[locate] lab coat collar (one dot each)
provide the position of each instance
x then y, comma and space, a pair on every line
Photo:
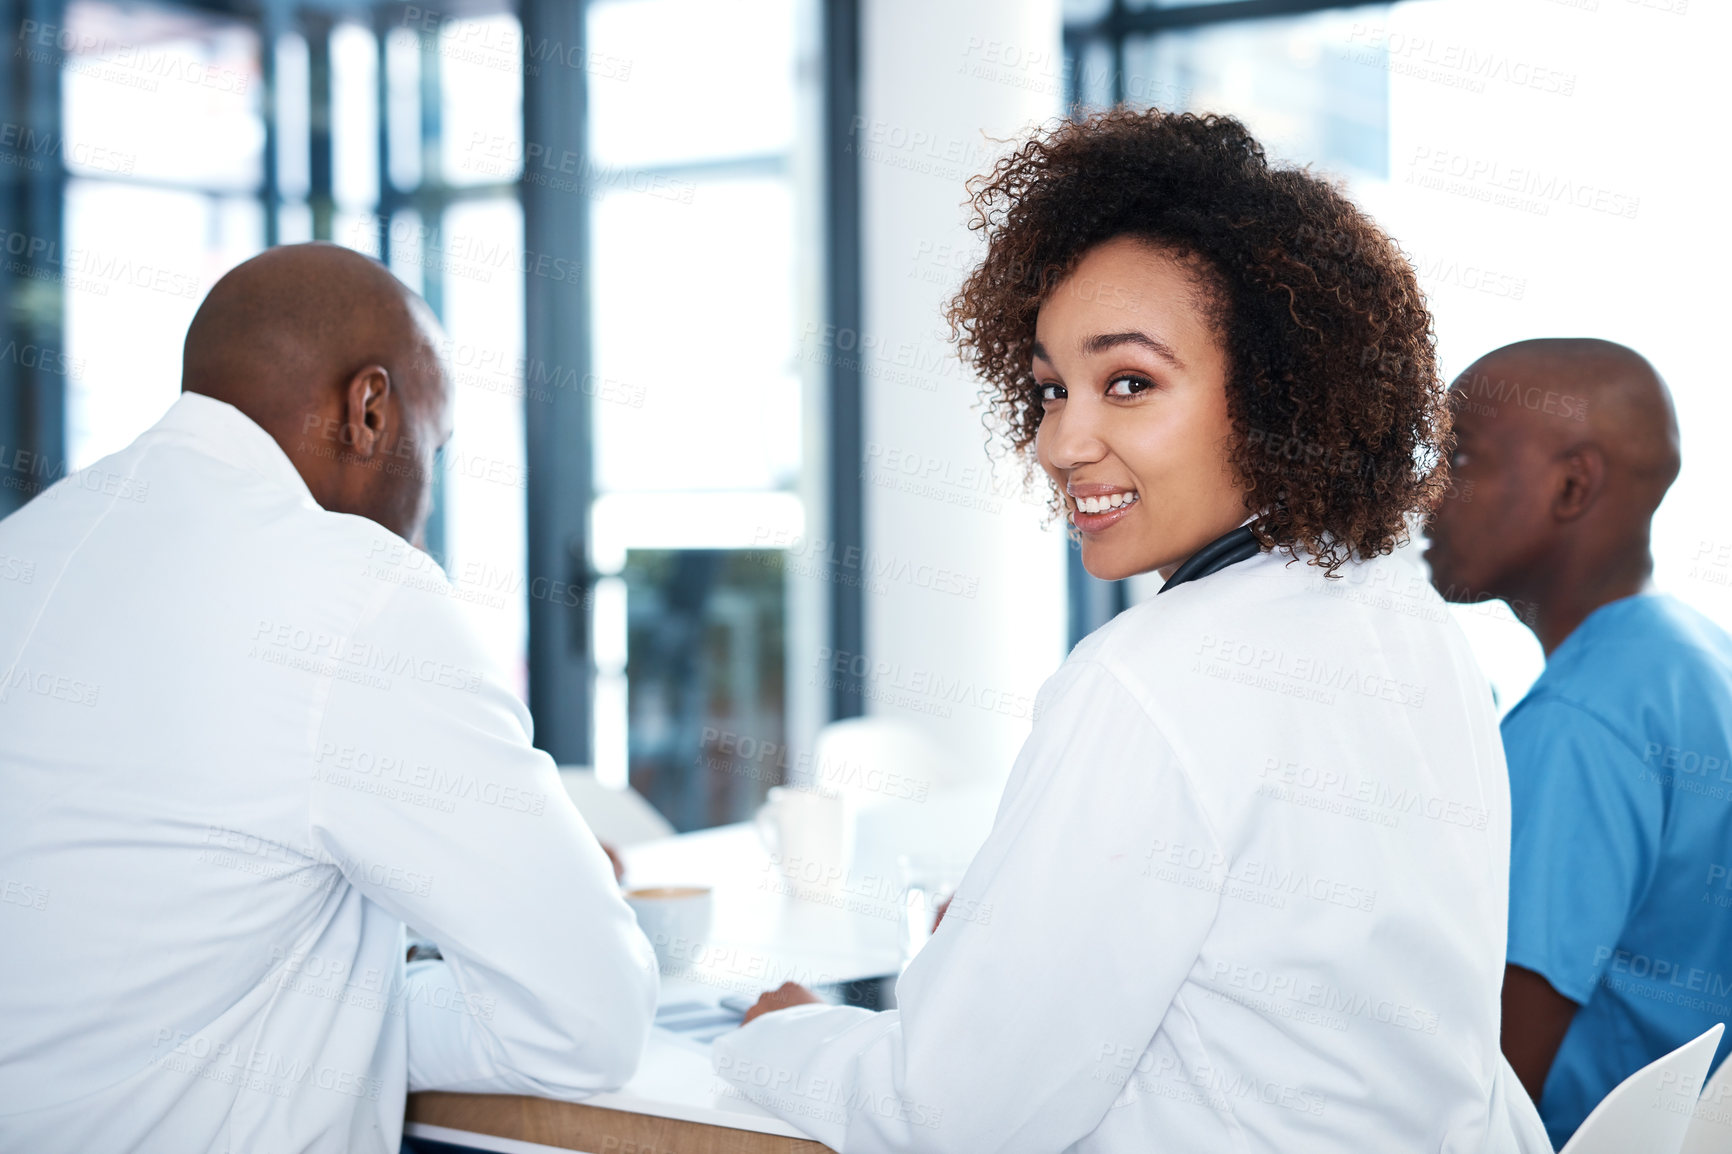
218, 429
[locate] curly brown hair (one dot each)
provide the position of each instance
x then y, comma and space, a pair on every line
1340, 417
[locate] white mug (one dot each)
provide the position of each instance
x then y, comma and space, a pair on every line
675, 919
810, 837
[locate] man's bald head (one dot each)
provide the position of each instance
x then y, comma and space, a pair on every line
1621, 405
329, 353
1564, 449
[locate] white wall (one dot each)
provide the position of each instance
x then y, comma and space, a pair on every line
966, 606
1560, 169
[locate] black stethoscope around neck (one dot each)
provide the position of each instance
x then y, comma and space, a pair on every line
1228, 549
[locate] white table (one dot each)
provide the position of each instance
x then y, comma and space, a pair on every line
768, 929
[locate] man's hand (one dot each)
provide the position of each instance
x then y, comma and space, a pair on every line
785, 995
614, 860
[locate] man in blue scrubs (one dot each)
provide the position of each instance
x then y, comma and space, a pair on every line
1620, 756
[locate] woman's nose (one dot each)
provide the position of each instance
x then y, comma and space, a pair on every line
1072, 436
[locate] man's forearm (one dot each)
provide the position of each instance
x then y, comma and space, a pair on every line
1535, 1019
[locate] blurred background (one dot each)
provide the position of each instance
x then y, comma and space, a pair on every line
717, 479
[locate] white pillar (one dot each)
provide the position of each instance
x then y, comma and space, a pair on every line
966, 602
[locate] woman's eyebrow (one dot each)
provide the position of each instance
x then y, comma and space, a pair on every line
1101, 342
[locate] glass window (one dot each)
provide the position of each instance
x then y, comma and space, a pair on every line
359, 229
162, 123
294, 223
697, 393
723, 87
705, 681
694, 339
1081, 11
408, 249
1173, 3
1300, 84
354, 118
403, 106
481, 107
486, 476
1093, 82
130, 293
294, 178
156, 94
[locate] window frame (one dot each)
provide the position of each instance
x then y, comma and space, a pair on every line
562, 669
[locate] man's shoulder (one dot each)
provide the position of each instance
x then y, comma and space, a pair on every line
380, 553
402, 594
1642, 676
281, 552
1633, 652
277, 526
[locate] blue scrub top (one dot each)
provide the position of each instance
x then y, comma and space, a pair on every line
1620, 765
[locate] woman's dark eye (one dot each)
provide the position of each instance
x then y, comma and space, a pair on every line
1128, 386
1051, 393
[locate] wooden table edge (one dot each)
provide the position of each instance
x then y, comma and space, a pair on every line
592, 1129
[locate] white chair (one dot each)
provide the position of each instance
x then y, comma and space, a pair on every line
619, 817
906, 793
1649, 1112
1711, 1125
854, 757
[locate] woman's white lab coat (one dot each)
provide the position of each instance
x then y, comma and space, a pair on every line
1245, 891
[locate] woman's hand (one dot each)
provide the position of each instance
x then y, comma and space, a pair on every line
614, 860
943, 908
785, 995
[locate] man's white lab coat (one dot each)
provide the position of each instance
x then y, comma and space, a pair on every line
243, 741
1245, 891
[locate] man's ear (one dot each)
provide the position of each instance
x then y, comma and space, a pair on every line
1582, 476
364, 415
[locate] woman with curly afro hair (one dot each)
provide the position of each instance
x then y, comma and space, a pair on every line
1247, 886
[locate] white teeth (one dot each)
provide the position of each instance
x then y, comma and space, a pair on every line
1102, 504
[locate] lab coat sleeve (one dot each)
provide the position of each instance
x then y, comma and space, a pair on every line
1050, 974
1585, 817
429, 797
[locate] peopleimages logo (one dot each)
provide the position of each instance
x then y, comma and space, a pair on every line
1338, 789
1663, 971
131, 64
321, 652
398, 777
915, 688
1315, 676
47, 683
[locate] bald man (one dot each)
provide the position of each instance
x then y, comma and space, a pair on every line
1620, 756
245, 738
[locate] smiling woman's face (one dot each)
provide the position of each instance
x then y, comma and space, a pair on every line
1134, 428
